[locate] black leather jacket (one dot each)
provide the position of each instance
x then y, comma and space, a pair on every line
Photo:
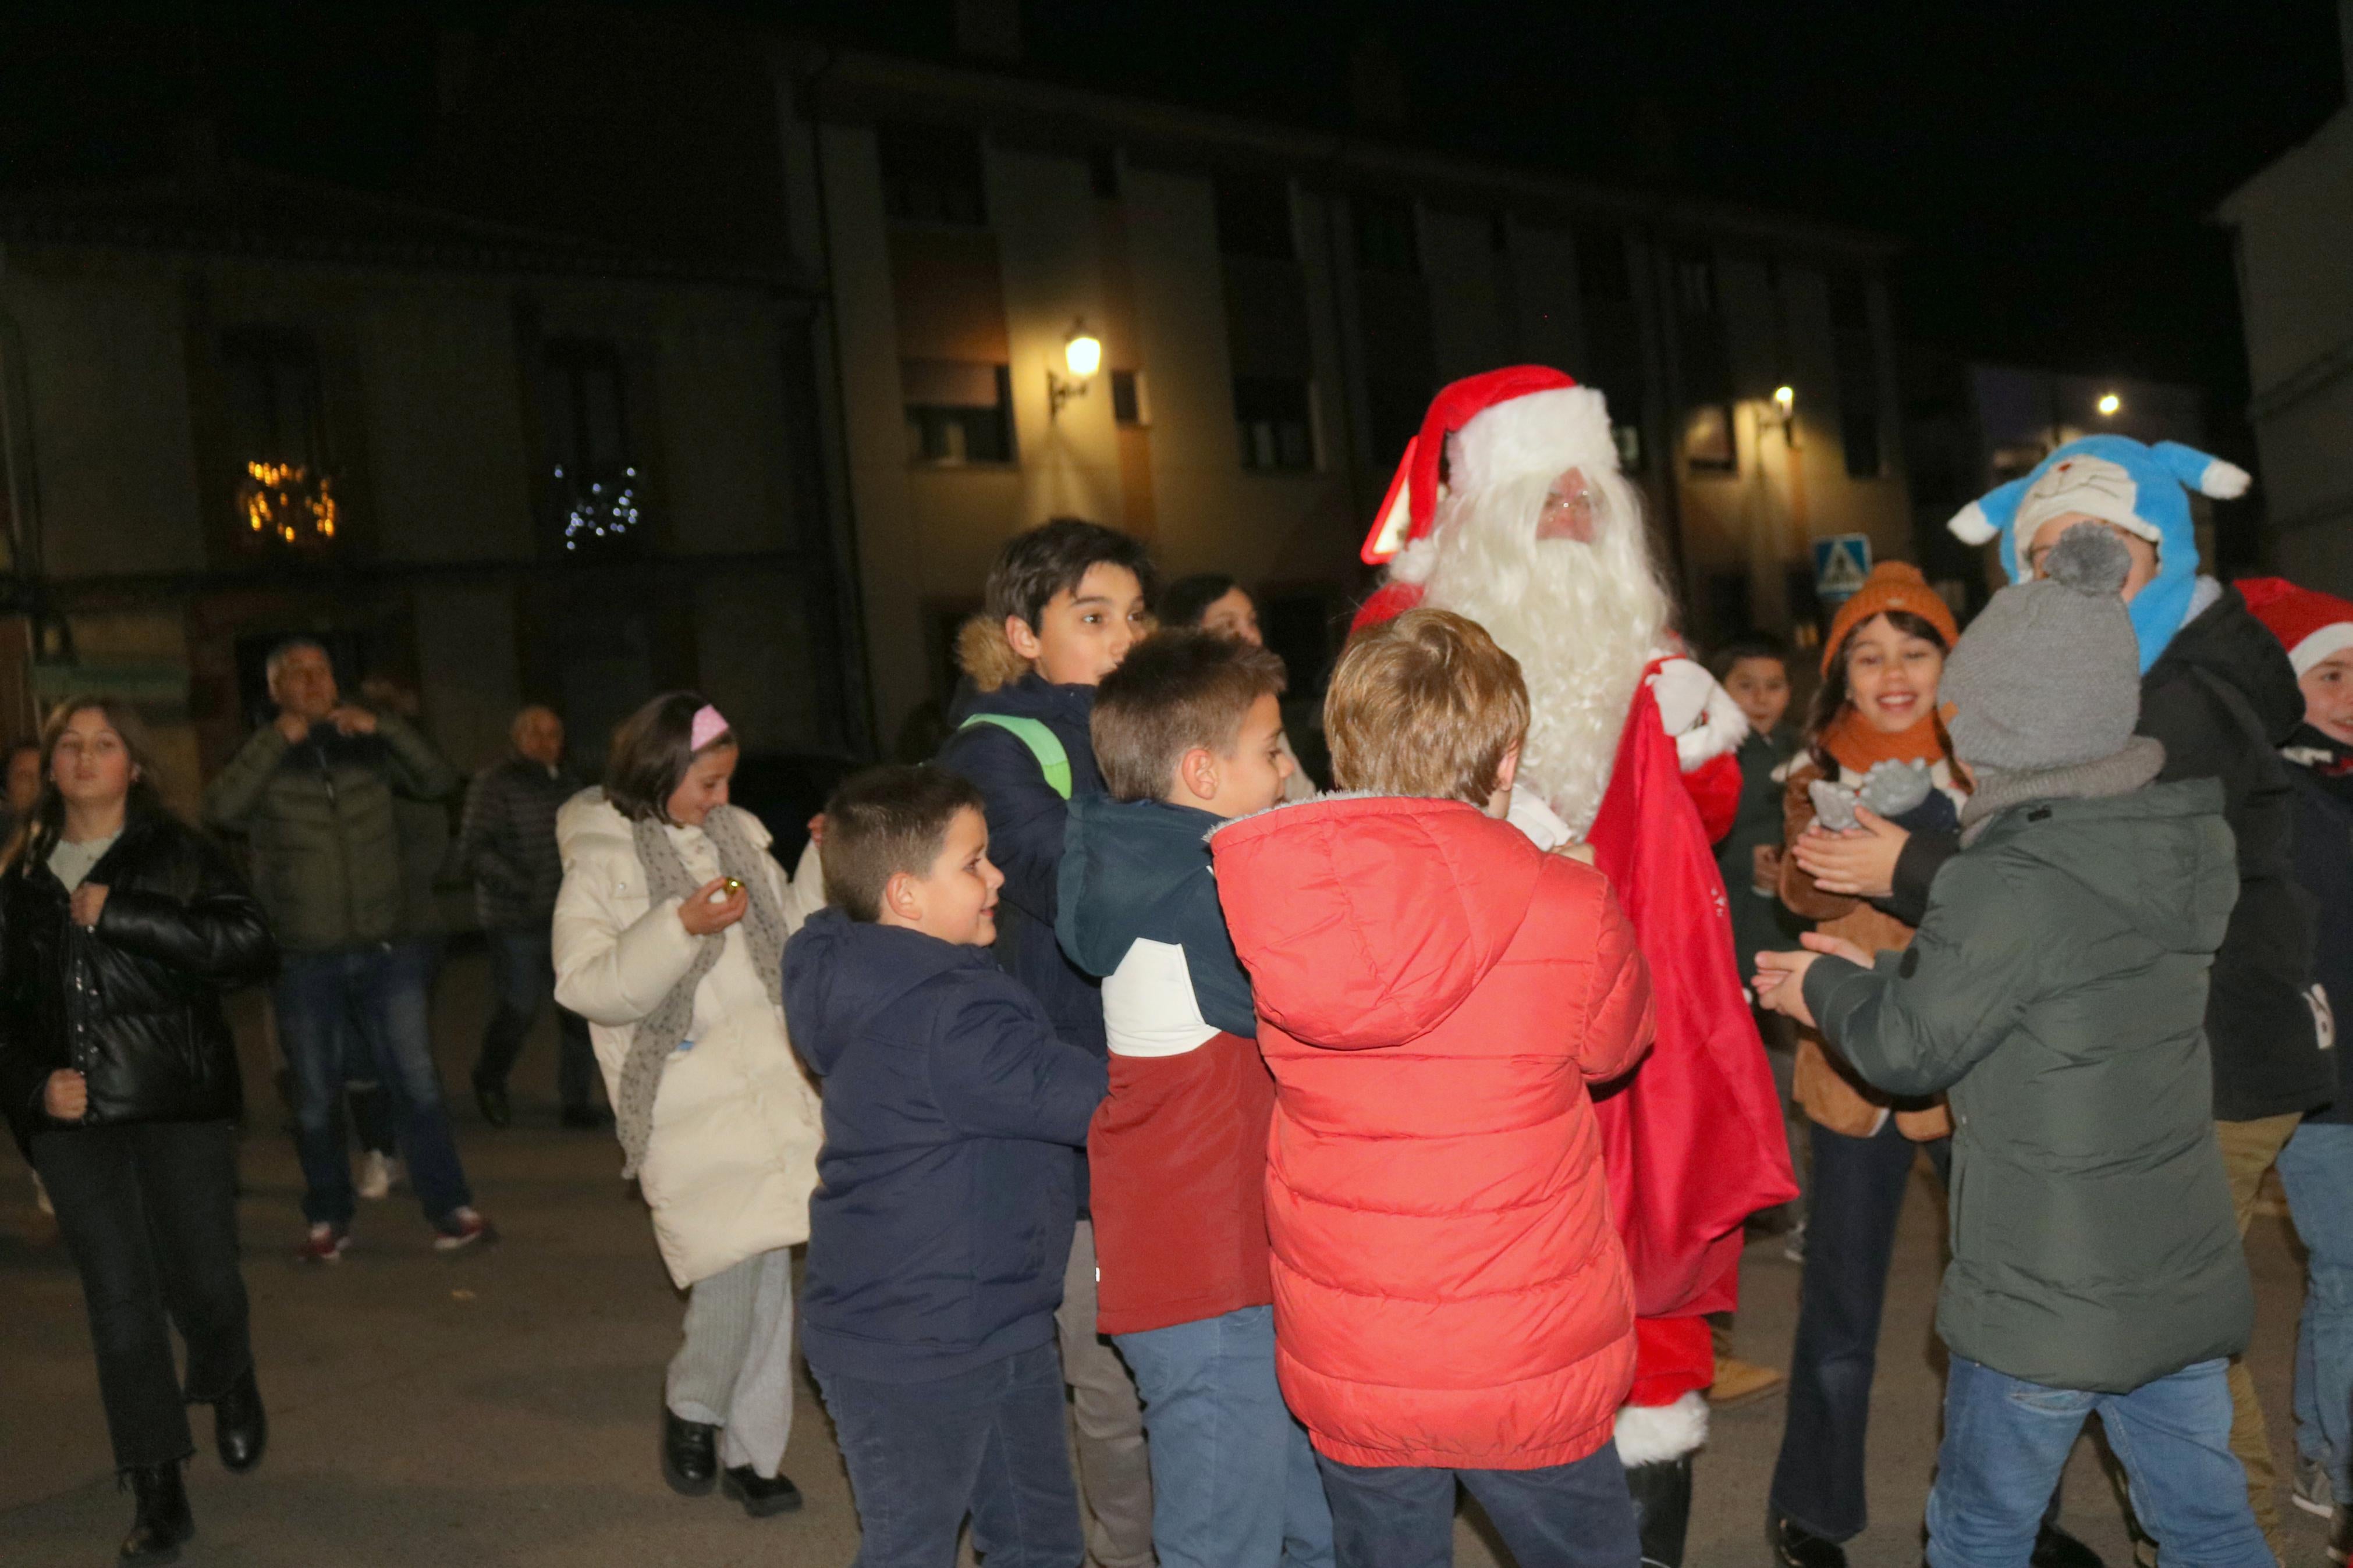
134, 1003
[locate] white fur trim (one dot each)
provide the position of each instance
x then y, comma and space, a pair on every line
1971, 526
1647, 1433
1723, 727
2224, 482
1681, 688
1541, 433
2329, 639
1413, 563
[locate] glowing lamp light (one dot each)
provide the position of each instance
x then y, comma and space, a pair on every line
1082, 353
1785, 399
2108, 404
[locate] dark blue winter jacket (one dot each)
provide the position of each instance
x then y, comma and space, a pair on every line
947, 1187
1026, 818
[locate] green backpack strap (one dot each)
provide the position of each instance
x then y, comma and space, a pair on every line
1043, 744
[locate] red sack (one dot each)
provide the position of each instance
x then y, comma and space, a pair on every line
1693, 1139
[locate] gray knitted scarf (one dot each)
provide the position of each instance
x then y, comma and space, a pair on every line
662, 1031
1999, 789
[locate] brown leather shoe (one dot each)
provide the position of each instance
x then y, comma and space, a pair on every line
1737, 1382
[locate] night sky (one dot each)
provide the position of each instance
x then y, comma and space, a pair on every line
2049, 169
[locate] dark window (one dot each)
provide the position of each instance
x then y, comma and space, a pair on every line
1704, 357
1855, 350
1254, 217
1126, 398
958, 412
594, 494
1386, 241
283, 478
1275, 429
1710, 440
1613, 335
932, 174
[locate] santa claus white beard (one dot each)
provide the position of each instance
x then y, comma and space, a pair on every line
1582, 619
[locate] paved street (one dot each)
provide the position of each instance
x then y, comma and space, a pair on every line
501, 1408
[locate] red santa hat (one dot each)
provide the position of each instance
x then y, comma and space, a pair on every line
1523, 420
2309, 624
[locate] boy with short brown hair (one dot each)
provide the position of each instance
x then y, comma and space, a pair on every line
1188, 733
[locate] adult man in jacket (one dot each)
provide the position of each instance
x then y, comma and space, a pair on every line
313, 792
508, 846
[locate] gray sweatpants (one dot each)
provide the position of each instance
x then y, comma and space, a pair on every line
735, 1370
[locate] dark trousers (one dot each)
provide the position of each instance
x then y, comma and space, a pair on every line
1563, 1515
522, 981
1857, 1194
379, 998
989, 1442
149, 1212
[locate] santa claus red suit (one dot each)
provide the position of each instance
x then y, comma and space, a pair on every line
1510, 508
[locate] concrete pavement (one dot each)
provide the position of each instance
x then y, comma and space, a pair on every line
501, 1407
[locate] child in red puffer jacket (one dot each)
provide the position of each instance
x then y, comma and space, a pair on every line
1434, 993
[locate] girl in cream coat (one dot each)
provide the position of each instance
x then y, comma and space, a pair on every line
668, 938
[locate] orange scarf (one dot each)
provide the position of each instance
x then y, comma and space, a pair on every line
1857, 743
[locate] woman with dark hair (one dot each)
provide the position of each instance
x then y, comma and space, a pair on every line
119, 929
669, 938
1213, 602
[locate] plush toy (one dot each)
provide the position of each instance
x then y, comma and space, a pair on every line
2142, 489
1890, 788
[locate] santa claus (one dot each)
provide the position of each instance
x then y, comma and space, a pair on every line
1510, 508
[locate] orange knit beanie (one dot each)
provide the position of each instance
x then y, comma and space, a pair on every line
1891, 585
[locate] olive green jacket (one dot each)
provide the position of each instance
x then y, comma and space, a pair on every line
2057, 991
319, 816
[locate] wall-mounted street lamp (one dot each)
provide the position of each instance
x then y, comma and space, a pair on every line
2109, 404
1783, 406
1082, 353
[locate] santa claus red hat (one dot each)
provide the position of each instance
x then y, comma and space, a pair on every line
1523, 419
2309, 624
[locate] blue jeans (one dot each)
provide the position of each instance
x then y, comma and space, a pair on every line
989, 1442
522, 981
375, 997
2316, 1169
2006, 1441
1563, 1515
1234, 1483
1857, 1195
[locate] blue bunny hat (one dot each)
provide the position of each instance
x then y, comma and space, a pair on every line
2142, 489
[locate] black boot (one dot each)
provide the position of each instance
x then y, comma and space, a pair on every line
1662, 1509
490, 1099
2054, 1548
1794, 1546
689, 1455
163, 1521
240, 1426
760, 1495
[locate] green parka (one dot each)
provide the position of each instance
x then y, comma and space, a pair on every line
319, 813
2057, 991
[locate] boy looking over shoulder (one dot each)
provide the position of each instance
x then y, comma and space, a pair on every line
947, 1187
1188, 733
1065, 602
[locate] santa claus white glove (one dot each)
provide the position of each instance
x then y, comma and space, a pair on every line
1700, 714
1540, 822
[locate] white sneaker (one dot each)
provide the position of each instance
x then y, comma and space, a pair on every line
2313, 1492
377, 1173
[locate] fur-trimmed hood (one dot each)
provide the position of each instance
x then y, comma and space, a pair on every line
984, 655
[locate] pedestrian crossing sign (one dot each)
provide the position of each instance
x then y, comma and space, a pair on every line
1841, 564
